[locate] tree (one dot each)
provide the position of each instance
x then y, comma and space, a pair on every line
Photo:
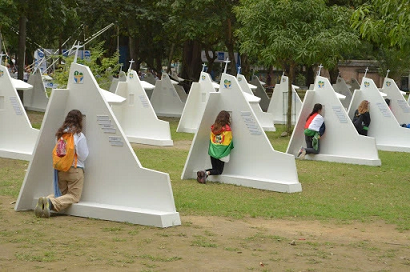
384, 22
287, 33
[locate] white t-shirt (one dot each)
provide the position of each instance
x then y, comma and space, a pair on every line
316, 122
81, 148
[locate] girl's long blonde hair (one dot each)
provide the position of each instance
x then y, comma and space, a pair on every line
363, 107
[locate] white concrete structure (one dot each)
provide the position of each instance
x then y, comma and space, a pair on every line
264, 118
17, 136
341, 142
279, 102
261, 93
136, 115
167, 100
122, 77
253, 162
341, 88
384, 127
117, 187
398, 104
195, 105
354, 85
36, 99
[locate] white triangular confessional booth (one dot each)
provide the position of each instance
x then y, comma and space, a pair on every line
17, 136
384, 127
341, 142
261, 93
136, 115
253, 162
264, 118
195, 104
165, 99
36, 98
122, 77
116, 187
279, 102
342, 88
398, 104
354, 85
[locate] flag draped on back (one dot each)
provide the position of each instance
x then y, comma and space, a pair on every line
220, 144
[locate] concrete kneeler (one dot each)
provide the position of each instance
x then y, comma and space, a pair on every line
341, 142
137, 116
253, 162
17, 136
116, 186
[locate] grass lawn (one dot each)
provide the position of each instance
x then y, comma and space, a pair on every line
330, 191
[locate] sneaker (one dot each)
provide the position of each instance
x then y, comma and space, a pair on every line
46, 209
38, 210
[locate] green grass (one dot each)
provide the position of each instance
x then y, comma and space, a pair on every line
330, 191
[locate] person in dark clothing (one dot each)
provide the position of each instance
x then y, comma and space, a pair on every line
361, 119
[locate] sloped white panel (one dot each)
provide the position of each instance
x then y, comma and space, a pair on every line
279, 102
117, 187
137, 117
253, 162
384, 127
17, 137
195, 105
341, 142
165, 99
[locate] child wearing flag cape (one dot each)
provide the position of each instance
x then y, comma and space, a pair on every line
220, 146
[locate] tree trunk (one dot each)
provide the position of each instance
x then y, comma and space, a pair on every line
245, 67
133, 47
191, 60
229, 43
170, 57
334, 72
290, 96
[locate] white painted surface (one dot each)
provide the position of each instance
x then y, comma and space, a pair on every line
136, 115
384, 127
261, 93
165, 99
17, 137
253, 162
341, 142
264, 118
342, 88
116, 187
195, 105
114, 81
398, 104
36, 98
279, 102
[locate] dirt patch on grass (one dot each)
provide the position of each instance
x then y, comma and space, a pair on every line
67, 243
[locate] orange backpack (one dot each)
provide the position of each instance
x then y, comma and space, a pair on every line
64, 153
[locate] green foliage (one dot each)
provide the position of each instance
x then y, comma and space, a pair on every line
384, 22
102, 67
303, 32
